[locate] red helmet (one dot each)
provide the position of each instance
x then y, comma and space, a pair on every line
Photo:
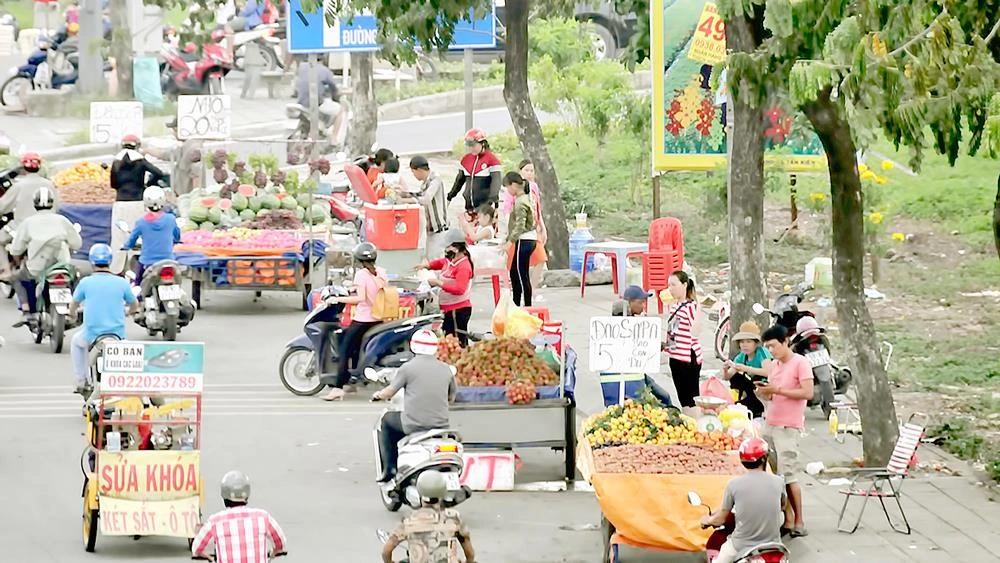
190, 47
31, 161
753, 450
130, 141
475, 136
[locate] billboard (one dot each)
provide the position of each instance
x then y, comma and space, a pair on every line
688, 38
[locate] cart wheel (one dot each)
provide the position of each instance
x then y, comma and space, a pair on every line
89, 527
58, 332
306, 290
196, 293
170, 329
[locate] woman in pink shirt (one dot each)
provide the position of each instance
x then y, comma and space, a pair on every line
367, 281
456, 285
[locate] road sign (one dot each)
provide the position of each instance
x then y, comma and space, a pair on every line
319, 33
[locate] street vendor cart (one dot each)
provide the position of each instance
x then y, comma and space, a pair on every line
142, 461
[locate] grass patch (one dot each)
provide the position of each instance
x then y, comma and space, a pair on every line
387, 92
24, 11
79, 107
961, 439
932, 360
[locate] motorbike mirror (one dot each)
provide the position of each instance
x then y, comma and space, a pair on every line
123, 226
382, 535
77, 227
374, 147
694, 499
341, 155
371, 374
758, 309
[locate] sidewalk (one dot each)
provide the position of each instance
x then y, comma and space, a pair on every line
953, 516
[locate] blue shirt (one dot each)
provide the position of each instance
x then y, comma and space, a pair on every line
158, 232
105, 296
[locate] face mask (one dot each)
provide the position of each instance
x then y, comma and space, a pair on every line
450, 254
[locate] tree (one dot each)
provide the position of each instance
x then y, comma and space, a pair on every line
908, 68
362, 132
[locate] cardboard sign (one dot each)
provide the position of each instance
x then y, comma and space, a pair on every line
153, 367
110, 121
708, 45
175, 518
204, 117
489, 471
625, 344
148, 475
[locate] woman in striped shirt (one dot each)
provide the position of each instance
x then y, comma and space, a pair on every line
683, 346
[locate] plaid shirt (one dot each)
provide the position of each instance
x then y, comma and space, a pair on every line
240, 535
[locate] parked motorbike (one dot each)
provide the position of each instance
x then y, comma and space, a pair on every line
385, 347
166, 307
298, 125
182, 74
829, 378
50, 65
54, 294
266, 38
434, 450
771, 552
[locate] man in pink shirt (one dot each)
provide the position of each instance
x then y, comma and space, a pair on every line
788, 388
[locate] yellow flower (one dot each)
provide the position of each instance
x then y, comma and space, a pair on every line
875, 218
817, 197
862, 168
881, 180
887, 165
868, 175
898, 237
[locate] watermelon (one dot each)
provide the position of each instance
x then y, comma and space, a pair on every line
300, 212
254, 203
225, 204
248, 215
320, 212
302, 200
271, 189
189, 226
206, 226
198, 213
270, 202
246, 190
263, 213
209, 201
240, 202
215, 215
289, 204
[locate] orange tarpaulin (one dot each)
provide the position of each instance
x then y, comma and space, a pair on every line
229, 252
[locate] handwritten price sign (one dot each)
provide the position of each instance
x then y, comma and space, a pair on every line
625, 344
204, 117
708, 45
110, 121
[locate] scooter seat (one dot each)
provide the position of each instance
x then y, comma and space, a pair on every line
392, 325
426, 435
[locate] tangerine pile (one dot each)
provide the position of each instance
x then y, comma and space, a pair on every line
644, 423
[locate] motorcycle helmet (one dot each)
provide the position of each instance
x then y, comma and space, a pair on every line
44, 198
130, 142
431, 486
424, 343
154, 198
31, 162
807, 326
753, 450
365, 252
190, 48
100, 255
473, 136
235, 486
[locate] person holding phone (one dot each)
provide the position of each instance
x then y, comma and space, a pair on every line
752, 364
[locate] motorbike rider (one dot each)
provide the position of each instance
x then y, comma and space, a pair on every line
329, 96
480, 173
430, 386
756, 499
432, 533
239, 533
106, 296
158, 230
47, 238
368, 280
131, 173
20, 200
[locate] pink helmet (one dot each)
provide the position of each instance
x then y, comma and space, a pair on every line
807, 326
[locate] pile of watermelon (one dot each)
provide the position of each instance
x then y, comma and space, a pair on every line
252, 207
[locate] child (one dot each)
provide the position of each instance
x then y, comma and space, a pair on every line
482, 229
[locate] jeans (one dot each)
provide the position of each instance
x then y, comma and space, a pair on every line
79, 350
520, 280
457, 322
390, 433
25, 288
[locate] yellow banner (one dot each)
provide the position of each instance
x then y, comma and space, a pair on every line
176, 518
708, 45
148, 475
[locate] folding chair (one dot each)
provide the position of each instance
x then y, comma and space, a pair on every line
886, 482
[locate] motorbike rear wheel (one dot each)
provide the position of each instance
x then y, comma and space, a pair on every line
303, 381
170, 329
58, 331
722, 340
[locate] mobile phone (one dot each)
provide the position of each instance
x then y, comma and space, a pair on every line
759, 380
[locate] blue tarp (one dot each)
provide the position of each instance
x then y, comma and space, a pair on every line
95, 224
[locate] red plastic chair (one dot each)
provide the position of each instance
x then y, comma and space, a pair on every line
667, 233
665, 256
656, 270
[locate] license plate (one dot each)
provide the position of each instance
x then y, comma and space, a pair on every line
452, 480
818, 358
61, 296
169, 292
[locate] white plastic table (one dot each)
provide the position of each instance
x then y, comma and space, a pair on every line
619, 253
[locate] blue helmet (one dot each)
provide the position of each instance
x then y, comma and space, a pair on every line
100, 255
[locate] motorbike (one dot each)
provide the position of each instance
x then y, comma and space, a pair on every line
54, 293
829, 378
166, 308
266, 38
6, 181
183, 74
298, 125
96, 356
771, 552
385, 347
50, 65
434, 450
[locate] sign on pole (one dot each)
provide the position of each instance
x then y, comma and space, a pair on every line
204, 117
325, 32
110, 121
625, 344
153, 367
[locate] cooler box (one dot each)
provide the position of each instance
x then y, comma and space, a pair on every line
393, 227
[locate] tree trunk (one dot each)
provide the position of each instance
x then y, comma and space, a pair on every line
878, 412
121, 46
745, 195
365, 122
529, 132
996, 219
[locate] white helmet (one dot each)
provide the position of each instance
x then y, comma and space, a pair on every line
154, 198
424, 342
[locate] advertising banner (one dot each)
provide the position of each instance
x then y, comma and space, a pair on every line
148, 475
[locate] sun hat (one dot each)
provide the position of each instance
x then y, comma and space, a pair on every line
748, 331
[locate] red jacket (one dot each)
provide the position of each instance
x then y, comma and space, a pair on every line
480, 176
456, 278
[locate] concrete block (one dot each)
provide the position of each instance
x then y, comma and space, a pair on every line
48, 103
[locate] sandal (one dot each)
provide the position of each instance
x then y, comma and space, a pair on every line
335, 394
799, 532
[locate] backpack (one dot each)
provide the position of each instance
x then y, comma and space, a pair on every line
385, 306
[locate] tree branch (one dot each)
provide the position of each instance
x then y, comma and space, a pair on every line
993, 32
915, 38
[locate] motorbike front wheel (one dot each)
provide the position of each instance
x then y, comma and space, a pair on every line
58, 332
297, 371
392, 504
13, 90
722, 340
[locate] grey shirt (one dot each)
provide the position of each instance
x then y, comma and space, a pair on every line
756, 500
429, 385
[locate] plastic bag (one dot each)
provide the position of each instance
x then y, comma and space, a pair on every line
499, 319
522, 324
714, 387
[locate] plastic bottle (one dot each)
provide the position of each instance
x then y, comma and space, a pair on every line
581, 237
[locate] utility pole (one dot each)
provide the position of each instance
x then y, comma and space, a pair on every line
91, 33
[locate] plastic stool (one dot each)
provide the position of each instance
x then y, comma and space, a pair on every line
540, 312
